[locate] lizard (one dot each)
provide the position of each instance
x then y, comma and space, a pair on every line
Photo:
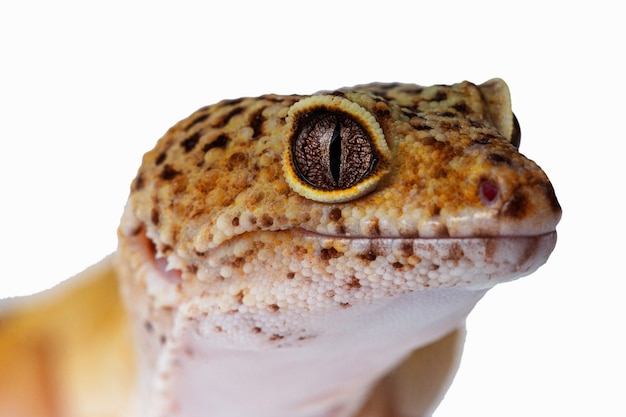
292, 255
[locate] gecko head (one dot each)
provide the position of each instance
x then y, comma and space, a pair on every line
291, 202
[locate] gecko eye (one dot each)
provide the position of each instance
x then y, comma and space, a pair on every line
331, 151
336, 150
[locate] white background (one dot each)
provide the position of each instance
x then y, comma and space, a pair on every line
87, 87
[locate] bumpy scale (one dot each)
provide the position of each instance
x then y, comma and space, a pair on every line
295, 256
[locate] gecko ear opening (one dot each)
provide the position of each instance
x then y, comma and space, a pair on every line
335, 149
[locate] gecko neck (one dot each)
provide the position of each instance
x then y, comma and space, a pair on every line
327, 375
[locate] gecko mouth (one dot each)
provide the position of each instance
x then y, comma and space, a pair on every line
472, 262
158, 260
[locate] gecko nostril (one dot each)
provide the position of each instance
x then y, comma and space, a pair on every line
489, 192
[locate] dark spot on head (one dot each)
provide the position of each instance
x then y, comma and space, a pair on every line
276, 337
516, 206
198, 119
168, 172
440, 96
191, 142
223, 121
345, 305
138, 184
369, 256
219, 329
485, 139
291, 275
330, 253
256, 329
449, 125
235, 221
461, 108
154, 216
382, 110
476, 123
481, 141
231, 102
219, 142
379, 95
266, 221
397, 265
498, 159
256, 123
334, 214
162, 339
273, 307
388, 86
160, 159
409, 113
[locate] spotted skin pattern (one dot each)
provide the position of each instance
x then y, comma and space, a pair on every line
253, 293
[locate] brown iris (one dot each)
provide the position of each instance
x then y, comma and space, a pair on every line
331, 150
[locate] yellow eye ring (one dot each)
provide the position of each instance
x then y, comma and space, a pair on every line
335, 149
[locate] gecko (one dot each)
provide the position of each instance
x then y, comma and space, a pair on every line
292, 256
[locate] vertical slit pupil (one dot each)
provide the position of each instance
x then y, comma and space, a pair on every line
335, 153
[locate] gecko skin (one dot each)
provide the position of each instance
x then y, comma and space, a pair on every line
309, 256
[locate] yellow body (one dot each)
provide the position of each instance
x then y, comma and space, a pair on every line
67, 351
